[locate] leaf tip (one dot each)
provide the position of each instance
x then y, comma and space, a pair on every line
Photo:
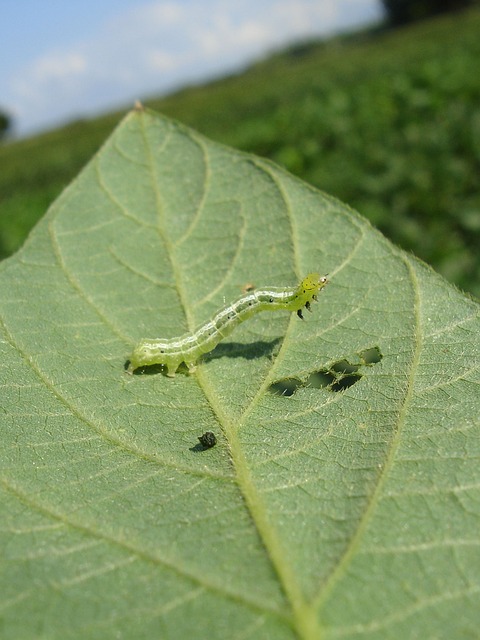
138, 106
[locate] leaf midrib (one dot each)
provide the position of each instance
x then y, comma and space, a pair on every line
305, 625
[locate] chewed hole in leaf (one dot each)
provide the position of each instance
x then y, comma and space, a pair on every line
345, 381
371, 356
320, 379
285, 387
340, 375
343, 367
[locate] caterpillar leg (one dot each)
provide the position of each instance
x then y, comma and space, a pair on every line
172, 368
192, 367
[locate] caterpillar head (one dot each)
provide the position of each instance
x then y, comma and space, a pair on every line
307, 291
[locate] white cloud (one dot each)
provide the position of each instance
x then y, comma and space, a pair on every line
49, 69
162, 60
60, 67
223, 36
51, 78
301, 15
159, 45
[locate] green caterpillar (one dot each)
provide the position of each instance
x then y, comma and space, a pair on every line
188, 348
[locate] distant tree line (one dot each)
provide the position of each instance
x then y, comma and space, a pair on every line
5, 124
403, 11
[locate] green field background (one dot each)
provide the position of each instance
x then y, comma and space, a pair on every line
387, 121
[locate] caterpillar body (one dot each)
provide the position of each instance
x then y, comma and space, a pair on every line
188, 348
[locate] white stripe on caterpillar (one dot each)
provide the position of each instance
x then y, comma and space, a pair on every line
188, 348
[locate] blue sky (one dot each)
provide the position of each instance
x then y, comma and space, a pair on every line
65, 60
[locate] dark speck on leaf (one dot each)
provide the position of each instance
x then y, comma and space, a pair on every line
208, 439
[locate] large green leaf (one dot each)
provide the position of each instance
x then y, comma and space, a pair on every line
347, 509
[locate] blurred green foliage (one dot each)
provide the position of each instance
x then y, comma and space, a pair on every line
5, 124
404, 11
387, 121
